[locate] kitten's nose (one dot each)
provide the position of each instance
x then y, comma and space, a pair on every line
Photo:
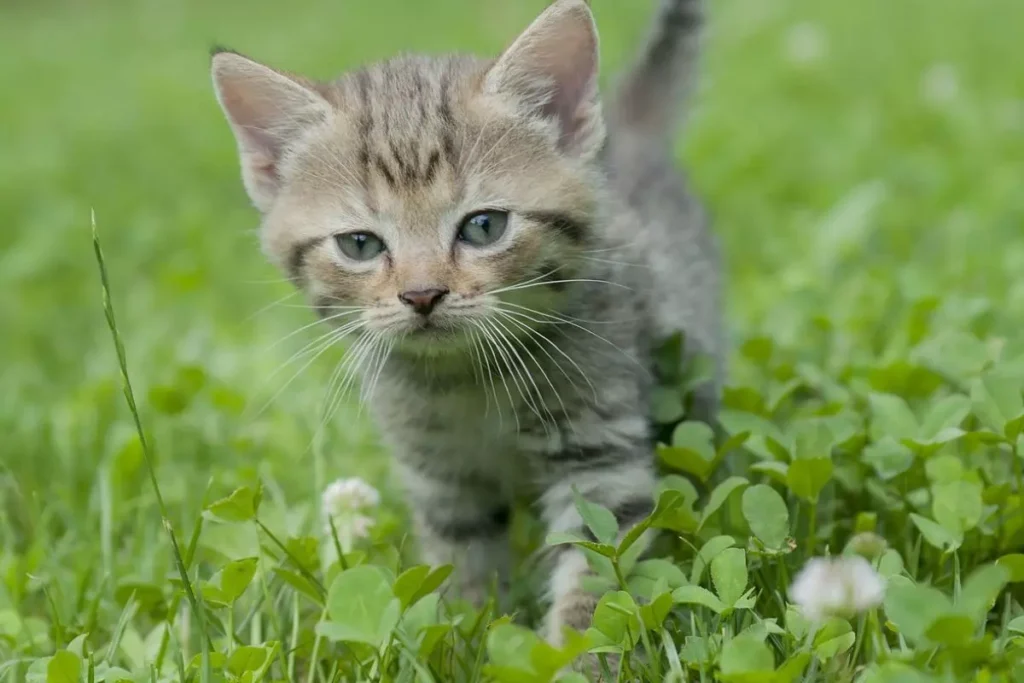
423, 301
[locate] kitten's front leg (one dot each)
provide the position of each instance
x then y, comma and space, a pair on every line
626, 488
463, 522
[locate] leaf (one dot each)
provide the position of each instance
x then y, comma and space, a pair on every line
695, 651
813, 438
63, 667
1016, 625
301, 584
950, 629
729, 574
708, 551
673, 511
598, 519
912, 608
1014, 564
666, 405
943, 416
654, 613
433, 581
720, 495
247, 658
888, 457
235, 577
663, 516
668, 358
833, 638
890, 416
692, 449
773, 468
696, 436
744, 654
767, 515
168, 400
509, 646
936, 534
793, 668
980, 591
547, 659
998, 401
409, 582
647, 573
944, 469
957, 505
565, 538
361, 606
240, 506
890, 564
807, 477
797, 624
616, 621
696, 595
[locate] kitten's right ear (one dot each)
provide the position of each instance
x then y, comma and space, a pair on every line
268, 111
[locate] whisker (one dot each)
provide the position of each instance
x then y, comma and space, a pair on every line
539, 396
529, 330
580, 327
309, 325
333, 339
616, 263
380, 369
266, 308
349, 369
485, 365
520, 375
486, 335
515, 288
561, 317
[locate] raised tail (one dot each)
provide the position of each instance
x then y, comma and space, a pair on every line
651, 93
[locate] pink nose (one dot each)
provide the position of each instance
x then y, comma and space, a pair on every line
423, 301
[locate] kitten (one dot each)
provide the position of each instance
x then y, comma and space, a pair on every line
506, 252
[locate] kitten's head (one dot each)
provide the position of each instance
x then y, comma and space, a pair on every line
414, 196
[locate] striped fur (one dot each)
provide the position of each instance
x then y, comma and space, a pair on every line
534, 375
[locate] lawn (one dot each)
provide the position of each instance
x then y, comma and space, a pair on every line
863, 163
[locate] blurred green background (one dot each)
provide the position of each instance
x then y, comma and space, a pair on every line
856, 156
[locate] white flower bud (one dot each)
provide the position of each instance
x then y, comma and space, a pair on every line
837, 586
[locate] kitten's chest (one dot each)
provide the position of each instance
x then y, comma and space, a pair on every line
459, 429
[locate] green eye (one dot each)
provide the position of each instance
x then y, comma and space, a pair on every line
360, 246
481, 229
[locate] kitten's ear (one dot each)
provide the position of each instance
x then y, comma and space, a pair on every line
268, 111
552, 69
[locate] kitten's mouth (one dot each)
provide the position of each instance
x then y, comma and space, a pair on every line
432, 337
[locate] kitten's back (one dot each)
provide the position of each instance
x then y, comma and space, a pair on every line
643, 116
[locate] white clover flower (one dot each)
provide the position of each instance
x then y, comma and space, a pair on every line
806, 43
343, 503
940, 84
349, 495
837, 586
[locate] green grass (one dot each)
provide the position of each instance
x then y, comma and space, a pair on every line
872, 224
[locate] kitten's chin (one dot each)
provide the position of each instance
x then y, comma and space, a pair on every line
433, 340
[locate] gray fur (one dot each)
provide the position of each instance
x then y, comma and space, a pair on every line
538, 398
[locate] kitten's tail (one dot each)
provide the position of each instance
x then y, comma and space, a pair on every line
651, 93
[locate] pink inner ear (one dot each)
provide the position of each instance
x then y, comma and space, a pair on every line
552, 67
574, 66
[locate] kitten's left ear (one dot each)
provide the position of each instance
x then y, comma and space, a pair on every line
268, 111
551, 70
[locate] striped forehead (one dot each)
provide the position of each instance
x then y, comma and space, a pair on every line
406, 130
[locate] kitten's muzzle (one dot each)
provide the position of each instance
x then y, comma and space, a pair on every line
423, 301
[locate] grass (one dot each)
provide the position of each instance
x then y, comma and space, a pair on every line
863, 164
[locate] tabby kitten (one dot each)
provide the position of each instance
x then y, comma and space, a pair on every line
505, 253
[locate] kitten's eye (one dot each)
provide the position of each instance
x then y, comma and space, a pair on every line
481, 229
360, 246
